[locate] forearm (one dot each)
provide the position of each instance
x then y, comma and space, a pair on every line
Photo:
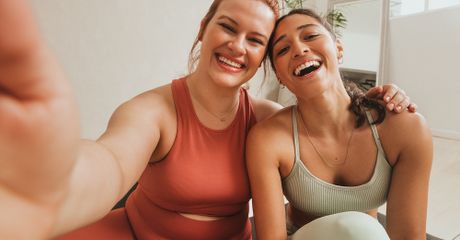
37, 153
406, 235
95, 185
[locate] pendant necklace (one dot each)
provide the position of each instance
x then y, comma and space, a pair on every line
328, 163
227, 113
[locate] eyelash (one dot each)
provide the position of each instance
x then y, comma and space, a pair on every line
227, 27
232, 30
306, 38
310, 37
255, 40
282, 51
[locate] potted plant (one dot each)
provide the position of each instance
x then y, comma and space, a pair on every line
335, 17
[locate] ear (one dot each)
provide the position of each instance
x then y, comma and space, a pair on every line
339, 46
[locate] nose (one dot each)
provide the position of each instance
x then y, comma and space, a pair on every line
299, 49
237, 45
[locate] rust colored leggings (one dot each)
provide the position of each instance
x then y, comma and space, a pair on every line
114, 226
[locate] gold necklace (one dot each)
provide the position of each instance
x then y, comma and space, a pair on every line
331, 163
227, 113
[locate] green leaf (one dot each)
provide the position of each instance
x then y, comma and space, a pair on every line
292, 4
338, 21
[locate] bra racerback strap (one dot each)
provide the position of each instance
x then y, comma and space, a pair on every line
295, 132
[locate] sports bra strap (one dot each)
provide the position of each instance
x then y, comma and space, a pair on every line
295, 133
375, 133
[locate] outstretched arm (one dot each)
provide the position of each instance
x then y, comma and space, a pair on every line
38, 126
107, 168
50, 180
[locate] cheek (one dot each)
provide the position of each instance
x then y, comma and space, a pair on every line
281, 66
213, 35
257, 55
331, 49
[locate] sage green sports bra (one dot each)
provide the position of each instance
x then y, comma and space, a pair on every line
317, 197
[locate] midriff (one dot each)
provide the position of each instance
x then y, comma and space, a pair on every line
200, 217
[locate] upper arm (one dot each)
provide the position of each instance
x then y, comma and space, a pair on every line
132, 135
266, 188
264, 108
408, 196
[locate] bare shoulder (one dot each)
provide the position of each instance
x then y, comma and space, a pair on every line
402, 132
147, 115
154, 104
405, 124
276, 122
154, 100
148, 121
264, 108
272, 136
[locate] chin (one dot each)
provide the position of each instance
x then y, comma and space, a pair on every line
229, 81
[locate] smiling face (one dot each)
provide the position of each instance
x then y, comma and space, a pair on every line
234, 41
305, 55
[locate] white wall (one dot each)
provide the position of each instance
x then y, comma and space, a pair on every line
112, 50
361, 37
423, 59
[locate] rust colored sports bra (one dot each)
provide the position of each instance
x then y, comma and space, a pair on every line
204, 173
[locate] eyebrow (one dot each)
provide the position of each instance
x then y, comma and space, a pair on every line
236, 23
298, 28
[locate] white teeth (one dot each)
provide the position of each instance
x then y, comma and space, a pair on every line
229, 62
306, 65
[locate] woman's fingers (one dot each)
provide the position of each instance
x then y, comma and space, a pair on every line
396, 99
375, 92
18, 30
412, 107
27, 69
390, 93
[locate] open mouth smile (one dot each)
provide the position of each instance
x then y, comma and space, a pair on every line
307, 68
230, 63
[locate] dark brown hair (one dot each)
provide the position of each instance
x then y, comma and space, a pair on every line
359, 102
194, 54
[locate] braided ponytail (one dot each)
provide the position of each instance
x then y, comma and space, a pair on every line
360, 104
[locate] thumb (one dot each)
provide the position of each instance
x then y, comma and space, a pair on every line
27, 68
18, 30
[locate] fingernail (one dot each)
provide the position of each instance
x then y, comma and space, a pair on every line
387, 98
398, 108
391, 106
